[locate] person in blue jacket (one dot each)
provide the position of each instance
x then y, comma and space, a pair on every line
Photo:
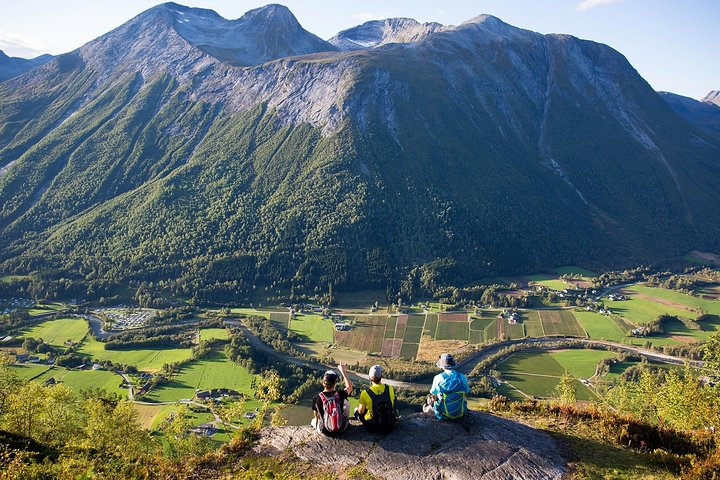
447, 399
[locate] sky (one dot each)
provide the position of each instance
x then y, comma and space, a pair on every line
672, 43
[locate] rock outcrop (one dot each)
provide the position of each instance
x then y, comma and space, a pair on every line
481, 446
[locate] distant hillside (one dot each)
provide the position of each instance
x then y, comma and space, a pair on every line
705, 114
11, 67
216, 154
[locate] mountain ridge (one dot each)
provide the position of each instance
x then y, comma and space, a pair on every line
473, 151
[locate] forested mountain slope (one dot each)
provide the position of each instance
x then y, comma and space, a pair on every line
153, 153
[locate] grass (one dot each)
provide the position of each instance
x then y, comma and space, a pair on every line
146, 414
250, 312
490, 331
86, 379
600, 326
416, 320
390, 327
537, 373
706, 305
548, 281
213, 371
575, 270
533, 325
13, 278
313, 328
513, 331
560, 322
431, 320
57, 332
580, 363
409, 351
366, 336
27, 372
412, 334
281, 321
640, 311
144, 359
214, 333
452, 331
478, 326
40, 309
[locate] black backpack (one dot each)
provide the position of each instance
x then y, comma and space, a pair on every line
384, 415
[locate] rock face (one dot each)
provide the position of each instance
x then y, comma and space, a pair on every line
713, 97
380, 32
705, 113
480, 446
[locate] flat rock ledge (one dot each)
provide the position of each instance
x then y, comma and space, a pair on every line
480, 446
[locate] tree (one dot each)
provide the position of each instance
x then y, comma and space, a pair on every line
565, 390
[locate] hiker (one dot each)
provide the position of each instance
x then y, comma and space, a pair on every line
331, 407
448, 392
377, 404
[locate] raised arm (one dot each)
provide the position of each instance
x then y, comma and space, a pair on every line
348, 383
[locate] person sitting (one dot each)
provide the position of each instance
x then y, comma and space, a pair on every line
331, 407
447, 399
377, 404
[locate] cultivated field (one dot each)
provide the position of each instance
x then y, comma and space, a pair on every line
85, 380
366, 336
313, 328
280, 320
533, 325
600, 326
560, 322
145, 359
213, 371
58, 332
537, 373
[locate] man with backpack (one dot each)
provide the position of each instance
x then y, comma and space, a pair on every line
377, 404
331, 406
447, 399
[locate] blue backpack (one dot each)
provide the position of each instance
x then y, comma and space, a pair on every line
451, 402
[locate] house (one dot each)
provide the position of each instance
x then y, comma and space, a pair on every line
203, 395
97, 366
250, 415
342, 326
50, 381
207, 429
21, 357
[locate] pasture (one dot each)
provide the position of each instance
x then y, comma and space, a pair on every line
85, 380
575, 270
600, 326
28, 371
58, 332
560, 322
213, 371
641, 307
537, 373
313, 328
547, 281
214, 334
40, 309
675, 298
533, 325
143, 359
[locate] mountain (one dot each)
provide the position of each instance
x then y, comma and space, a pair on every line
13, 66
214, 155
380, 32
705, 114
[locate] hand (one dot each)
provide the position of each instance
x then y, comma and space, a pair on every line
341, 367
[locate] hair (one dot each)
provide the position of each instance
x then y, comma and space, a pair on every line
375, 379
329, 382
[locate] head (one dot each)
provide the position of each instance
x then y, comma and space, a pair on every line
446, 362
329, 380
375, 374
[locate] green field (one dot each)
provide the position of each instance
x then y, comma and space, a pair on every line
560, 322
13, 278
214, 333
409, 351
548, 281
640, 311
251, 312
390, 327
431, 320
490, 332
28, 371
452, 331
478, 326
213, 371
600, 326
533, 325
313, 328
40, 309
57, 332
416, 320
151, 360
706, 305
412, 334
513, 331
575, 270
281, 320
537, 373
78, 379
580, 363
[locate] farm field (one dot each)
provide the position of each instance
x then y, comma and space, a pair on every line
560, 322
251, 312
580, 363
478, 326
57, 332
366, 336
449, 329
548, 281
678, 298
431, 320
533, 325
214, 333
600, 326
39, 309
213, 371
641, 308
150, 360
313, 328
280, 320
513, 331
28, 371
537, 373
85, 379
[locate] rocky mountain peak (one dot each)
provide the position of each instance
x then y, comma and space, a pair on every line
380, 32
3, 57
713, 97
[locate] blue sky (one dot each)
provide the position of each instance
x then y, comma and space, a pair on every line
672, 43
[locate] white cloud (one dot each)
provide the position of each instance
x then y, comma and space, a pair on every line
588, 4
17, 45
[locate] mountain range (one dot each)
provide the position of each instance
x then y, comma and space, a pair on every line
13, 66
184, 147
